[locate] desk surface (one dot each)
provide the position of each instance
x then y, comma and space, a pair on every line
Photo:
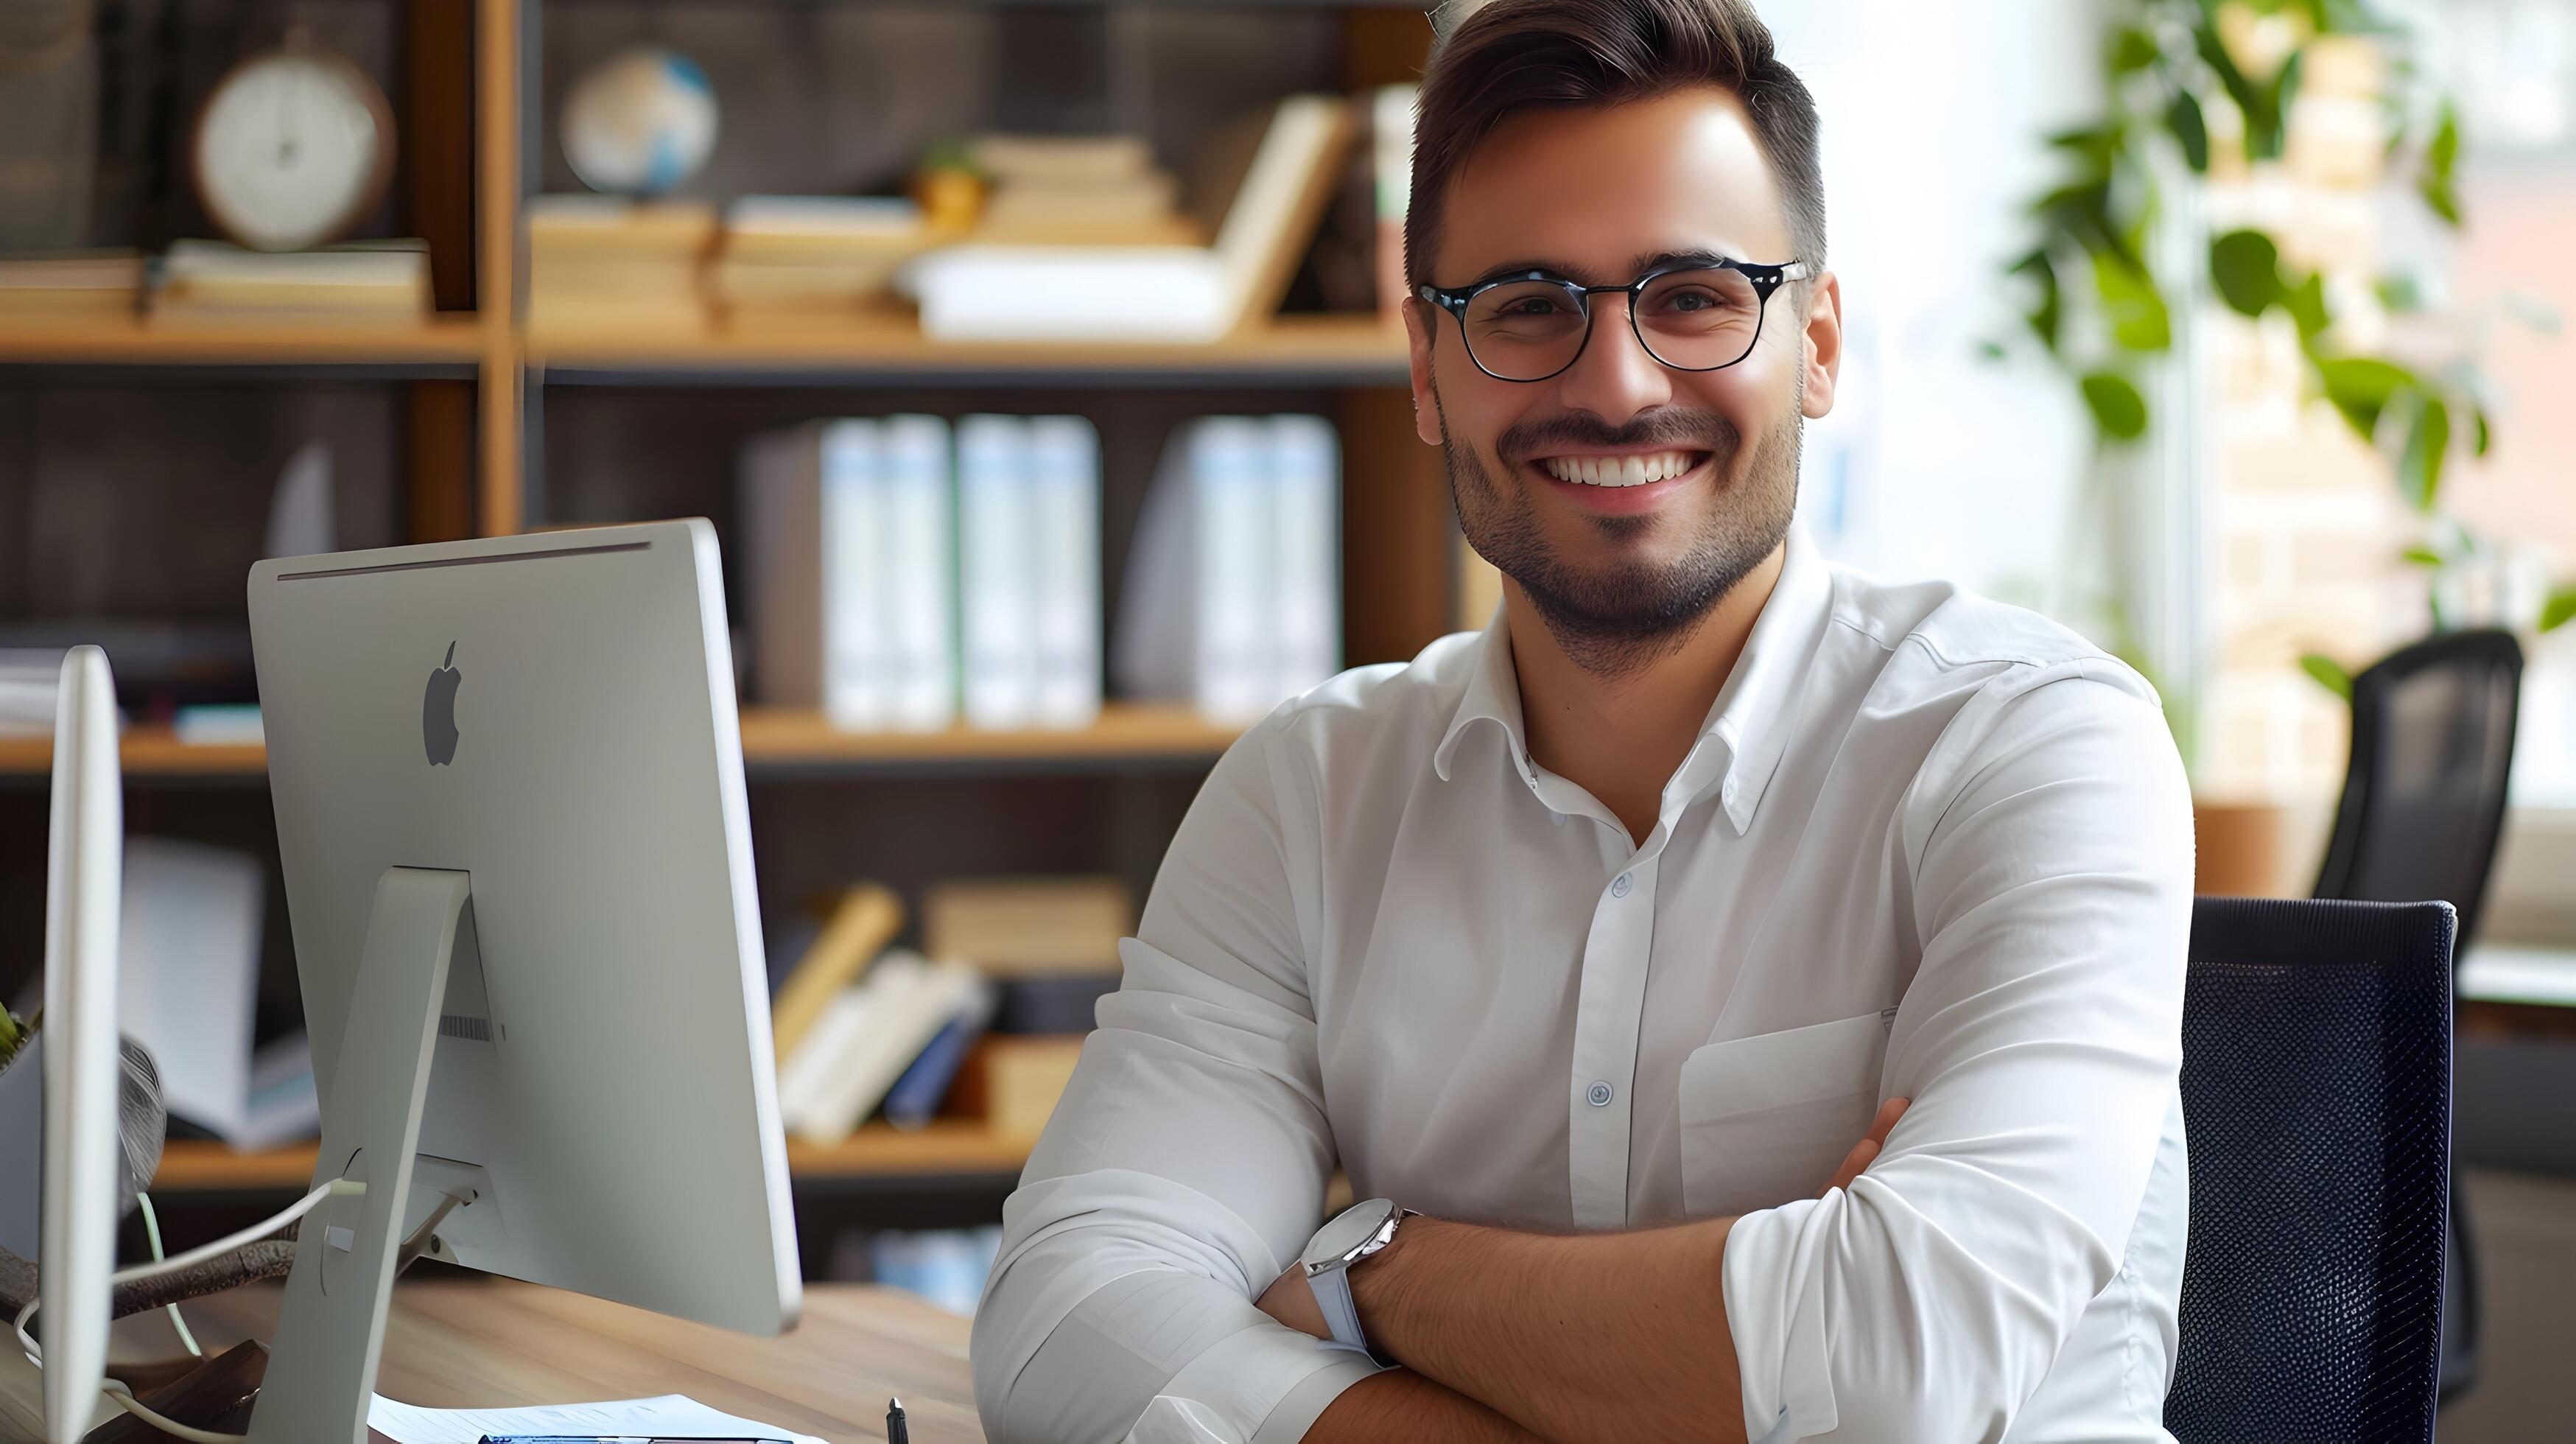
489, 1344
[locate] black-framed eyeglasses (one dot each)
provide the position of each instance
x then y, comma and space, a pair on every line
1691, 316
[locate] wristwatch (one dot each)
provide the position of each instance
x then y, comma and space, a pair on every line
1353, 1234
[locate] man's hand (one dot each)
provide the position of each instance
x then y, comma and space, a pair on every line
1292, 1302
1866, 1151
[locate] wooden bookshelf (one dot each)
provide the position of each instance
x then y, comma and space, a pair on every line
1351, 349
946, 1145
148, 751
437, 343
772, 737
778, 737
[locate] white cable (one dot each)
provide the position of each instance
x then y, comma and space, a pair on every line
131, 1405
116, 1390
152, 1234
252, 1234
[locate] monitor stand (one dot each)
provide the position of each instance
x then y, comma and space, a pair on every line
331, 1332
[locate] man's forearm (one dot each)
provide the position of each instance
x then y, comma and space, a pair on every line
1402, 1407
1615, 1335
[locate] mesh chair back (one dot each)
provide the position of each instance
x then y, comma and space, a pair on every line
2316, 1083
2424, 798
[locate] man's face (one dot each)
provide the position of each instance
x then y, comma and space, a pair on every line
1597, 195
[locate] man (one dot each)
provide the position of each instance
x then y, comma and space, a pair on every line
1613, 943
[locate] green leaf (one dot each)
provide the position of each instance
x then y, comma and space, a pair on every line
2422, 556
2045, 314
2097, 145
2135, 308
2559, 609
2439, 194
2442, 157
2360, 386
1990, 351
2428, 444
2328, 672
2481, 437
2132, 50
2117, 407
2191, 128
2306, 303
2247, 267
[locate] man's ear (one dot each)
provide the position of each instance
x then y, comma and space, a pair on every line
1823, 344
1419, 319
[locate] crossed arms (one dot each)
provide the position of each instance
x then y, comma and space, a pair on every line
2038, 1040
1515, 1336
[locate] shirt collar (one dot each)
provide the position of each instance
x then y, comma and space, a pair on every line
1748, 726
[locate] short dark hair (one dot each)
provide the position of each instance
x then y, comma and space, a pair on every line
1516, 53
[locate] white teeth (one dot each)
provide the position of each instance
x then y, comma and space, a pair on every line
1619, 470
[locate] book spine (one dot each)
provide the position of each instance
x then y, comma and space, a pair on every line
1066, 506
855, 694
920, 572
917, 1094
1306, 493
996, 541
1237, 582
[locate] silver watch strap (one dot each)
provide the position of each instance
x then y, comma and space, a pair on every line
1341, 1314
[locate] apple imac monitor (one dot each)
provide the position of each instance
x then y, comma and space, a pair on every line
508, 782
77, 1211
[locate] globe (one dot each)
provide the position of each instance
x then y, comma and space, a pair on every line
640, 124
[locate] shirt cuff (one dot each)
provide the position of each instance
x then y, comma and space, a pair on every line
1781, 1353
1270, 1383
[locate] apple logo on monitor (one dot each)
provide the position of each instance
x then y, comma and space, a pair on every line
438, 711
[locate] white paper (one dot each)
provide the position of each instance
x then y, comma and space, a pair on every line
666, 1416
189, 980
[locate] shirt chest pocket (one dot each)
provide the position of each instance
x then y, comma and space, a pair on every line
1765, 1119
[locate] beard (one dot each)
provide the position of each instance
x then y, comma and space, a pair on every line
1617, 618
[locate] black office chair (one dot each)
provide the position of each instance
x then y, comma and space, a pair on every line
2423, 804
2316, 1093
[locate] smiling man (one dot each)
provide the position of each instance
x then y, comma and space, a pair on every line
1747, 995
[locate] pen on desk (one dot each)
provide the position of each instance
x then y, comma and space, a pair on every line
896, 1433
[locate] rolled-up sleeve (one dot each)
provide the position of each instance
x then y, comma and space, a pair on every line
2049, 844
1186, 1166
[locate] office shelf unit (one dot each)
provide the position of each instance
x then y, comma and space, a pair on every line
474, 385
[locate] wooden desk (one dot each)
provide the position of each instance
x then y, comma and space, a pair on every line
490, 1343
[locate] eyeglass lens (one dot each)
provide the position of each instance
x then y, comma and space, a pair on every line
1690, 320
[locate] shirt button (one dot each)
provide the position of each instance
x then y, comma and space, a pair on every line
1600, 1095
1618, 888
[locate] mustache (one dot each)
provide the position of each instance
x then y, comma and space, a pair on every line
1672, 427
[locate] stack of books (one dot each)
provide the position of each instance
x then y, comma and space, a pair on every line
1233, 594
791, 260
1040, 287
894, 586
606, 261
362, 282
1078, 190
73, 284
989, 1030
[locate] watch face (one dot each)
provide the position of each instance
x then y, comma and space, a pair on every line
1349, 1229
288, 151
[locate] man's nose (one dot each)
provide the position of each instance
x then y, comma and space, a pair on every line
1616, 377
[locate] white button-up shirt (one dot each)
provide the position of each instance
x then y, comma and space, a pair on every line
1925, 845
